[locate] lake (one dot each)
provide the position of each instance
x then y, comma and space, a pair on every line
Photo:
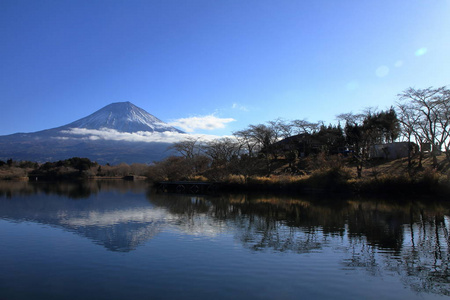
123, 240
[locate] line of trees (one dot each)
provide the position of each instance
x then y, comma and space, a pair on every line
72, 168
420, 116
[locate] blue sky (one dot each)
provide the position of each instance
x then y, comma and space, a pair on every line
251, 61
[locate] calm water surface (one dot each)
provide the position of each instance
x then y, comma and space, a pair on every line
122, 240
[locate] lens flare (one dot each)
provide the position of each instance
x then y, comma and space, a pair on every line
352, 85
382, 71
421, 51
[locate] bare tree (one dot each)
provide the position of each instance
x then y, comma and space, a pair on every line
350, 118
247, 141
304, 126
221, 151
409, 119
433, 123
286, 128
188, 148
444, 120
265, 135
258, 137
260, 140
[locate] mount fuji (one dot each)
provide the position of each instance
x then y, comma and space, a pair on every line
123, 117
119, 132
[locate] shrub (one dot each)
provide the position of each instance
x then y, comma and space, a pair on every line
198, 178
334, 179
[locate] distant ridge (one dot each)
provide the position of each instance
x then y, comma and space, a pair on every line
74, 139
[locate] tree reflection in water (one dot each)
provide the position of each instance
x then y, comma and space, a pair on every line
409, 239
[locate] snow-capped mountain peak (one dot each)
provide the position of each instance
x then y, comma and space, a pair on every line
123, 117
119, 132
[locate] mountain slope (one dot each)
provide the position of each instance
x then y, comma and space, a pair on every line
123, 117
119, 132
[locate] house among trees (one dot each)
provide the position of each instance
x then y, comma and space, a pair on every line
304, 144
394, 150
420, 118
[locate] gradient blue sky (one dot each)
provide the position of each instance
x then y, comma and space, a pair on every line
252, 61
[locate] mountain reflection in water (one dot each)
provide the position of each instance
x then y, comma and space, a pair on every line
409, 239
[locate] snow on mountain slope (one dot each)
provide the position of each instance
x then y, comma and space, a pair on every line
123, 117
119, 132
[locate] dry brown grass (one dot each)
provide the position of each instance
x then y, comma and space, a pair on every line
338, 175
13, 173
399, 167
197, 178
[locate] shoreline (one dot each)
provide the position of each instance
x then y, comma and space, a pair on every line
329, 183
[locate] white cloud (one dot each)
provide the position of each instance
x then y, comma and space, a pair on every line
140, 136
239, 107
209, 122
